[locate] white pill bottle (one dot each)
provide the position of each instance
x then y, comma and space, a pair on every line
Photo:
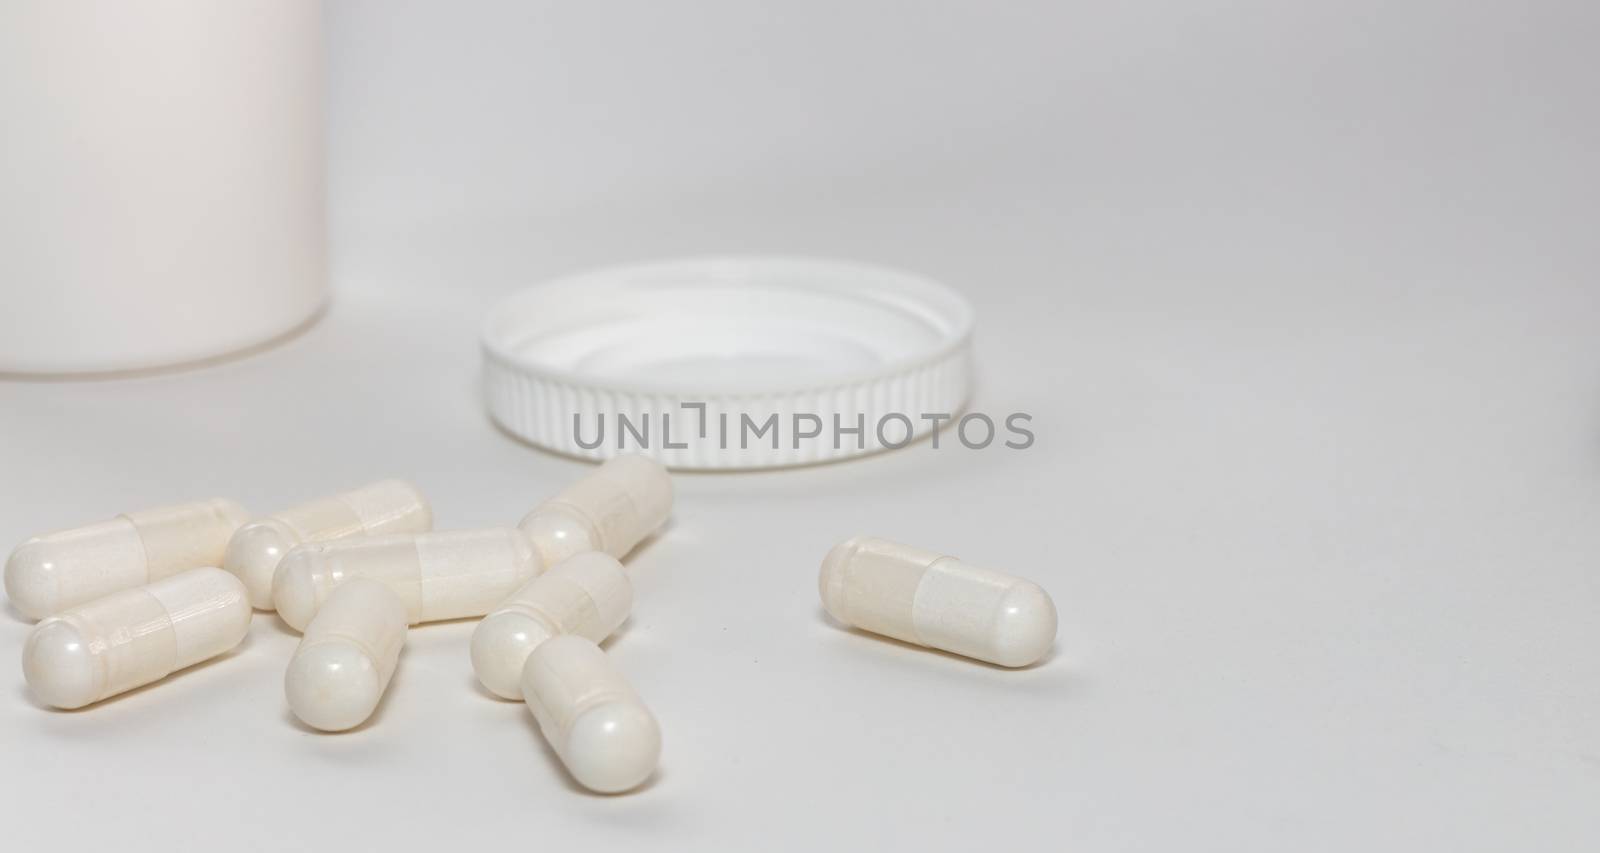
161, 191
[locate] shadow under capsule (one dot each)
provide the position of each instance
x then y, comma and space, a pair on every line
827, 619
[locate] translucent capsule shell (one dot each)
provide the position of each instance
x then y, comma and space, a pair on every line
587, 594
390, 506
448, 574
134, 637
347, 656
606, 737
65, 568
932, 600
611, 510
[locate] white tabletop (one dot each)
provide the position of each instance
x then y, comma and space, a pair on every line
1312, 357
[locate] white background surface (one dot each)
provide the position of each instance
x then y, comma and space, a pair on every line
1303, 303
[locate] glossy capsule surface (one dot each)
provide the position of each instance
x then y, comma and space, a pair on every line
609, 510
54, 571
445, 574
347, 656
390, 506
595, 722
134, 637
587, 594
932, 600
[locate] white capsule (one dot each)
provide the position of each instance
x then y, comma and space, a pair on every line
606, 737
49, 573
931, 600
347, 656
448, 574
586, 594
610, 510
134, 637
390, 506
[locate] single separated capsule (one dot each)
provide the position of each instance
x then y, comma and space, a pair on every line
134, 637
347, 656
586, 594
390, 506
931, 600
606, 737
448, 574
49, 573
610, 510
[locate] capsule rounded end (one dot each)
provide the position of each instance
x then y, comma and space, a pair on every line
500, 647
557, 534
1025, 627
613, 747
296, 594
59, 666
253, 555
333, 686
30, 578
830, 582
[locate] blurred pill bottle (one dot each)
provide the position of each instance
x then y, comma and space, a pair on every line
161, 188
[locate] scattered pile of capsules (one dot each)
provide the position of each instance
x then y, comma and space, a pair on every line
129, 601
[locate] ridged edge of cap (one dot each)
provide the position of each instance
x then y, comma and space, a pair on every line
540, 410
541, 407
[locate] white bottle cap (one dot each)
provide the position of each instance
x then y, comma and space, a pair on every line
737, 362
